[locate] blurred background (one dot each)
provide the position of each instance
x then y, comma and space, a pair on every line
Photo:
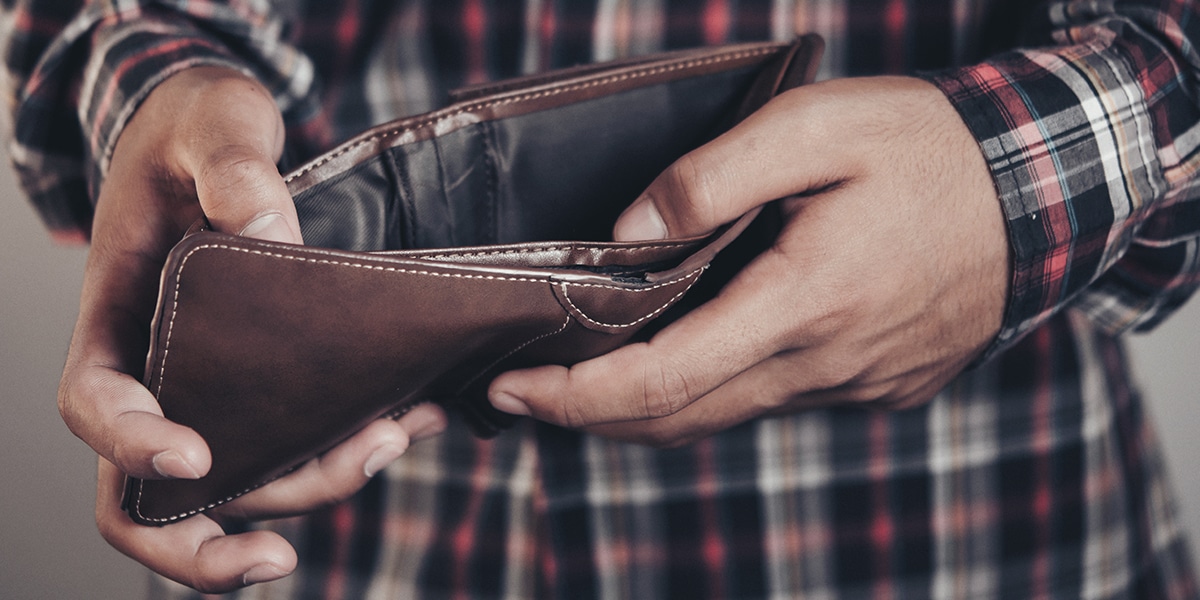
49, 547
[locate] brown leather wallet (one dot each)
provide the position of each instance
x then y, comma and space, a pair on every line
423, 276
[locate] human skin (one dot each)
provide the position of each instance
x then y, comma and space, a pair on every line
889, 277
204, 142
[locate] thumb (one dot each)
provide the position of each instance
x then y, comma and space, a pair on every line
242, 192
767, 156
693, 196
698, 193
239, 137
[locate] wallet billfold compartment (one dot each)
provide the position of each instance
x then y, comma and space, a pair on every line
435, 259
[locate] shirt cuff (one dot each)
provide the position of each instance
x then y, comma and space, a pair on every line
130, 58
1069, 143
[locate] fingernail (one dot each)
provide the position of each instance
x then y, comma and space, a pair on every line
641, 222
426, 424
169, 463
380, 458
261, 573
510, 404
271, 227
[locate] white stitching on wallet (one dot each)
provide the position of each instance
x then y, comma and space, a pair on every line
433, 119
183, 263
529, 250
196, 511
171, 327
442, 116
175, 305
665, 306
636, 290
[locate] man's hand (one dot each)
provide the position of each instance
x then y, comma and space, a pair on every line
888, 278
204, 142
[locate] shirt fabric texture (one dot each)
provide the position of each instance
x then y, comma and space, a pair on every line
1032, 475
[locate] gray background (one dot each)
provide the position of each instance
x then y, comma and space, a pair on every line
49, 547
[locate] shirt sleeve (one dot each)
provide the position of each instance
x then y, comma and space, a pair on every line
1092, 142
76, 73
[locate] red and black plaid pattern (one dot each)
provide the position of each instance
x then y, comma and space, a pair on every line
1034, 475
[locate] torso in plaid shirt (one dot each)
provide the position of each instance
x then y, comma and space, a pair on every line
1032, 475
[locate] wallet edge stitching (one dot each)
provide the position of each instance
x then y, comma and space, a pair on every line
175, 301
694, 276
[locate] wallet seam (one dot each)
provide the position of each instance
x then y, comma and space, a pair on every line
137, 505
636, 290
694, 276
490, 218
440, 116
406, 226
563, 248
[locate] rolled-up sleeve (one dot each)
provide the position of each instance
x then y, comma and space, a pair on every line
1092, 141
77, 72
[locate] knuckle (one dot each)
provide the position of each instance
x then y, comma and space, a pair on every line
573, 416
697, 188
573, 409
666, 391
230, 169
329, 485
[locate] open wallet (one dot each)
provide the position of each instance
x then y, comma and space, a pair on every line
442, 250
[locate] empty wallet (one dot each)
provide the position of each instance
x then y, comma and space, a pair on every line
427, 271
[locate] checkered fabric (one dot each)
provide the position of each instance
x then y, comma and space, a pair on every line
1032, 475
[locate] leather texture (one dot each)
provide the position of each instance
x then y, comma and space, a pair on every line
432, 264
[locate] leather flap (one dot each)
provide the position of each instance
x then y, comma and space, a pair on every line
274, 353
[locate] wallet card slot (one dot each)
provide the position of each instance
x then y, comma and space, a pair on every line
348, 212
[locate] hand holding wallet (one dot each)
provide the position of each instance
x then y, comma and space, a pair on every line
433, 263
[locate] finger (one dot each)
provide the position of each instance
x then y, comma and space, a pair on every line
144, 203
99, 399
685, 361
242, 192
772, 154
194, 552
789, 382
769, 387
233, 154
737, 401
423, 421
343, 470
119, 418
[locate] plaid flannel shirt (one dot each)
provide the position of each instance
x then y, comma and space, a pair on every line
1032, 475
